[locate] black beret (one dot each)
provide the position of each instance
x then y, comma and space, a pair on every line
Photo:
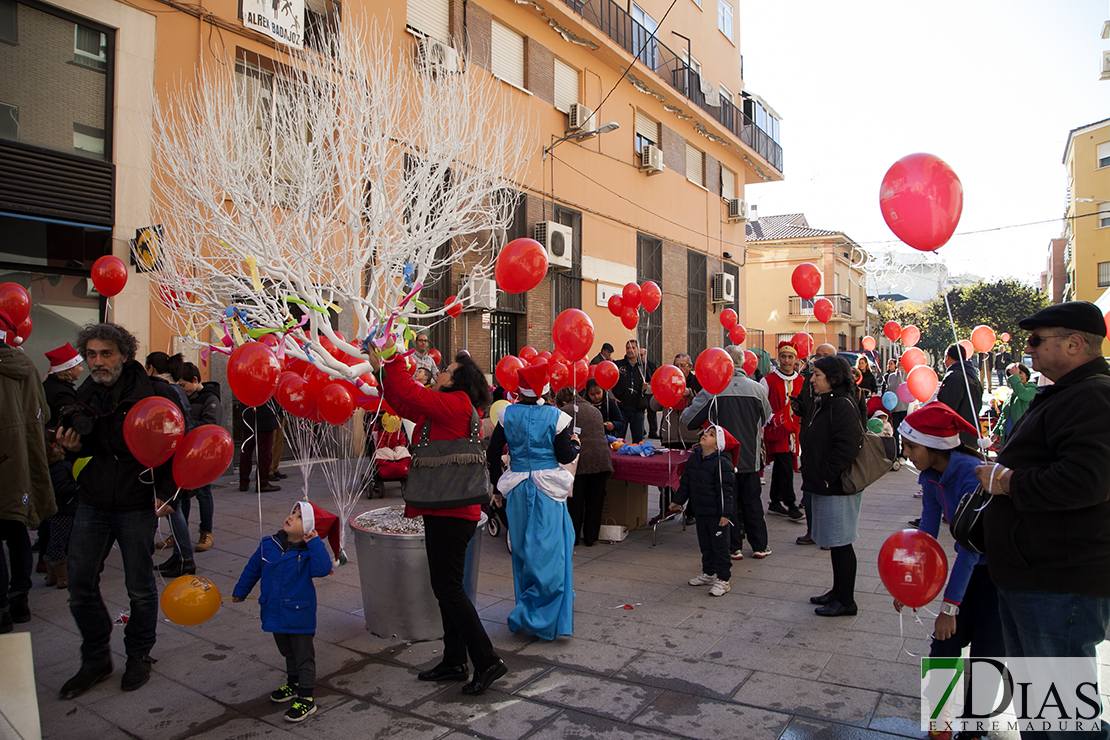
607, 347
1075, 315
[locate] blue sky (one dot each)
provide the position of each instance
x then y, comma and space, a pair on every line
990, 87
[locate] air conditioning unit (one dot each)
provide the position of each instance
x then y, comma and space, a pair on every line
580, 118
737, 210
558, 240
436, 57
482, 295
724, 288
651, 159
1105, 65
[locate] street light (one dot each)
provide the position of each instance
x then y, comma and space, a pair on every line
579, 135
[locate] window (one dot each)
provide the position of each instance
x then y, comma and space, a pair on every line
644, 43
567, 285
647, 131
779, 338
842, 344
695, 165
90, 48
276, 139
9, 26
507, 55
1104, 274
431, 17
728, 183
697, 280
691, 61
724, 18
726, 94
1103, 215
9, 122
1104, 155
566, 86
321, 29
87, 139
649, 266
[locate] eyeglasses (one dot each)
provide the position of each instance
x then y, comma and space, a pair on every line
1036, 340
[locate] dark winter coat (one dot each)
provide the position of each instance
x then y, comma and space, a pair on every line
610, 411
59, 393
709, 484
25, 492
953, 392
629, 389
267, 417
206, 406
65, 488
287, 603
831, 443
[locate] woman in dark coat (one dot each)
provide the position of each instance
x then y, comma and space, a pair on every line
594, 468
829, 448
611, 416
867, 378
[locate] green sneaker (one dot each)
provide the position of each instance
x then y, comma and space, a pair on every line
300, 710
288, 692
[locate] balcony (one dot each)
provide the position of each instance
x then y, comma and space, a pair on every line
801, 309
615, 22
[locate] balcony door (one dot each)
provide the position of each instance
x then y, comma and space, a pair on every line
645, 45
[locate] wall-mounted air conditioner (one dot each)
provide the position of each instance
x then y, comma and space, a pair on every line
580, 118
651, 159
558, 240
724, 288
481, 295
737, 210
436, 57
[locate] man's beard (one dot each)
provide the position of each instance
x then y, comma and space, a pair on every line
107, 377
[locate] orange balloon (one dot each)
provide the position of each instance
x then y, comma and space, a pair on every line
969, 348
912, 357
911, 335
983, 338
922, 381
190, 600
1005, 336
868, 344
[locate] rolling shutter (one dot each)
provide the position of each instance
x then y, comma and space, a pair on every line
728, 183
695, 165
507, 55
432, 17
646, 127
566, 86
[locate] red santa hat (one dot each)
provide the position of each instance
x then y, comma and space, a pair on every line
6, 325
63, 358
533, 380
324, 522
936, 426
725, 442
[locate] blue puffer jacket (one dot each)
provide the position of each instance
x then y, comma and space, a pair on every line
287, 603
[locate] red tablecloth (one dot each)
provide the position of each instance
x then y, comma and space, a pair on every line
662, 470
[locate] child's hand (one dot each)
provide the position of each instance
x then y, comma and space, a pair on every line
723, 522
236, 599
308, 536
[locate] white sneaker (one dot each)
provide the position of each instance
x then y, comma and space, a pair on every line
720, 588
761, 554
737, 555
703, 580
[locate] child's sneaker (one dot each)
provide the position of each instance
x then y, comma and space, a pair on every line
288, 692
720, 588
736, 555
761, 554
300, 710
703, 580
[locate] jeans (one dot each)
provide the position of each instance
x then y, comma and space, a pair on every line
182, 543
300, 661
652, 423
94, 532
17, 582
204, 501
896, 418
748, 520
635, 425
1044, 623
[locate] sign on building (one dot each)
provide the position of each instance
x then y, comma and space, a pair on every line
281, 20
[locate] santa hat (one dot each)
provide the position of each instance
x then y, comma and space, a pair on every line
787, 346
936, 426
308, 515
533, 380
6, 325
726, 442
63, 358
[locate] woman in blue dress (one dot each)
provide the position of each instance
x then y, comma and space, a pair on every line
534, 493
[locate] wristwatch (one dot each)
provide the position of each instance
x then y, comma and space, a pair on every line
949, 609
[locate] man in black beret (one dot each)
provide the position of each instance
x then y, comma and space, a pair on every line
1046, 526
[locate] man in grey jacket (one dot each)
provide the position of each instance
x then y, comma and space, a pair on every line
742, 408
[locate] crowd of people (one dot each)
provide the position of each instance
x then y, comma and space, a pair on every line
1043, 591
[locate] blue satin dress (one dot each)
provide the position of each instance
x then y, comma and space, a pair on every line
539, 524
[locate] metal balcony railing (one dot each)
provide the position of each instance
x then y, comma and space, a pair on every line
842, 305
615, 22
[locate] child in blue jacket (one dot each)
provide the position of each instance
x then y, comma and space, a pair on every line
286, 563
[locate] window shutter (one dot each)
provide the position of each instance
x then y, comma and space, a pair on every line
1103, 155
507, 55
646, 127
728, 183
695, 165
432, 17
566, 86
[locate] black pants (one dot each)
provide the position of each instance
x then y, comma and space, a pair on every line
978, 623
17, 582
264, 441
653, 423
782, 480
445, 541
300, 661
586, 504
748, 520
896, 418
844, 574
713, 541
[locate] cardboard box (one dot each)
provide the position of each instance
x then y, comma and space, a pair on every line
625, 503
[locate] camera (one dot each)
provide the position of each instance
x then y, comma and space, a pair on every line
78, 417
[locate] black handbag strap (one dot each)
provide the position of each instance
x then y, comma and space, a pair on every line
421, 436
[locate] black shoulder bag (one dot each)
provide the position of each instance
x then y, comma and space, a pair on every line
448, 473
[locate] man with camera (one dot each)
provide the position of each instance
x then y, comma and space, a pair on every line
115, 505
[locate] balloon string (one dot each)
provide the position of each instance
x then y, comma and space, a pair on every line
902, 633
245, 598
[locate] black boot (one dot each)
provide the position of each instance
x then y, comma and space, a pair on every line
19, 608
86, 678
175, 567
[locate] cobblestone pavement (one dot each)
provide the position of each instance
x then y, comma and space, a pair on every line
755, 663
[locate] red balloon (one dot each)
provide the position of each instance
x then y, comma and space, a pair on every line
545, 356
912, 357
335, 403
607, 374
751, 362
630, 317
983, 338
806, 280
737, 334
728, 318
969, 348
923, 382
892, 330
437, 358
580, 373
913, 567
521, 266
296, 398
454, 306
560, 375
803, 342
152, 430
1005, 336
714, 369
921, 199
15, 299
24, 329
293, 365
252, 373
868, 344
911, 335
668, 384
573, 333
823, 310
650, 296
284, 378
556, 357
616, 305
527, 354
203, 456
316, 379
631, 295
109, 275
506, 370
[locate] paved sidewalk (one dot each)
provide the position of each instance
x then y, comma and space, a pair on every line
755, 663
